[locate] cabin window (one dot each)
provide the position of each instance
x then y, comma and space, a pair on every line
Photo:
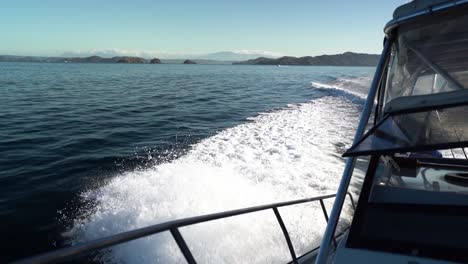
425, 98
429, 59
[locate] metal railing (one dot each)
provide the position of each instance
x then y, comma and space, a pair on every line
351, 162
173, 227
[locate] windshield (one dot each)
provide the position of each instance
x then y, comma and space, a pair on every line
428, 59
425, 101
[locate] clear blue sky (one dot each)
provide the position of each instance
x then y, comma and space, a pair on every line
288, 27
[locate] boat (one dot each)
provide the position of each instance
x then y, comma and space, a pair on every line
413, 202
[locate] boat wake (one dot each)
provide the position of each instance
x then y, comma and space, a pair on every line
356, 87
282, 155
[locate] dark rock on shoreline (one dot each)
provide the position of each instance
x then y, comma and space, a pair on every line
189, 62
155, 61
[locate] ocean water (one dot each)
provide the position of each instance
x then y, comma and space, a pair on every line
88, 150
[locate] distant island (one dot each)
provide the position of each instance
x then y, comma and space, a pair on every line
345, 59
98, 59
90, 59
131, 60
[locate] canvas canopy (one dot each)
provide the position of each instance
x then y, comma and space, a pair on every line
425, 101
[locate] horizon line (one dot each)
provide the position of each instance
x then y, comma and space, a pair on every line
187, 56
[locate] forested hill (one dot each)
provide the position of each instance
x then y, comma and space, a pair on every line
345, 59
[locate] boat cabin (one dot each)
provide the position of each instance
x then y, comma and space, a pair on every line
413, 206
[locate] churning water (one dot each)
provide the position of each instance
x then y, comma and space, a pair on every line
89, 150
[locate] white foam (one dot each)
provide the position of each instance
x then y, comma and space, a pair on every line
276, 156
356, 86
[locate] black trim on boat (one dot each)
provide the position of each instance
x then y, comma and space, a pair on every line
461, 144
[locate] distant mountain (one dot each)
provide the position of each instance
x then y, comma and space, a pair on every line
225, 57
13, 58
345, 59
231, 56
98, 59
90, 59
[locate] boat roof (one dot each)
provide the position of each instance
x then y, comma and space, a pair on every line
420, 8
416, 6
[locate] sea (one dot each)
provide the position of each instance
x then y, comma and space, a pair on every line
90, 150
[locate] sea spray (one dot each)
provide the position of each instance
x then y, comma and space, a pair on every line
276, 156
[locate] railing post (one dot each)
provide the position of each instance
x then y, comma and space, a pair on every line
352, 201
183, 246
350, 162
286, 235
324, 210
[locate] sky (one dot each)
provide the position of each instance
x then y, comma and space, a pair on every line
171, 28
